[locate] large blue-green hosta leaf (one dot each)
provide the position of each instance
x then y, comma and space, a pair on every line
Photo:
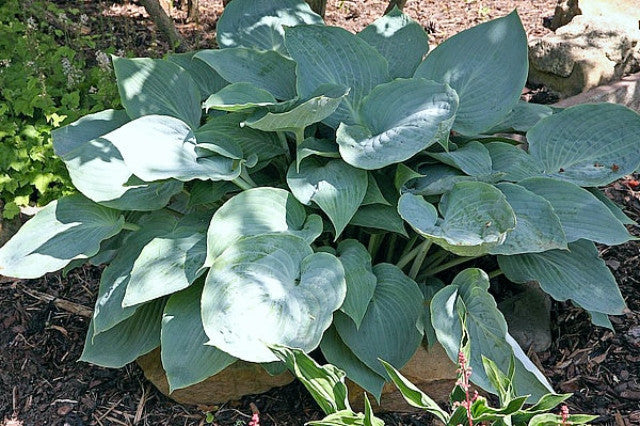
361, 281
589, 145
473, 159
400, 39
130, 339
513, 161
487, 65
98, 170
67, 229
267, 70
389, 329
336, 187
157, 86
522, 117
577, 274
238, 97
476, 217
581, 214
186, 358
259, 211
208, 80
379, 216
158, 147
537, 229
260, 23
115, 278
331, 55
170, 262
468, 297
397, 120
270, 290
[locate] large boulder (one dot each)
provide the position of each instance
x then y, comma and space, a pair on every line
587, 52
625, 12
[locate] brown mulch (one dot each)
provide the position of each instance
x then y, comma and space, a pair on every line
41, 382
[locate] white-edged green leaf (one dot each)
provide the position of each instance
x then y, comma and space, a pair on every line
361, 282
259, 211
472, 158
522, 117
260, 23
398, 120
414, 396
537, 229
227, 129
578, 274
313, 146
186, 358
238, 97
389, 328
339, 354
267, 70
170, 262
491, 75
159, 87
475, 218
599, 146
128, 340
208, 80
379, 216
468, 296
582, 215
67, 229
158, 147
270, 290
331, 55
97, 169
336, 187
400, 39
325, 383
108, 310
321, 105
514, 161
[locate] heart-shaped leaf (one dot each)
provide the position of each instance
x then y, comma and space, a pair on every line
336, 187
260, 23
157, 86
249, 305
331, 55
97, 169
238, 97
476, 218
67, 229
400, 39
259, 211
578, 274
513, 161
267, 70
389, 329
157, 147
399, 119
379, 216
581, 214
537, 229
186, 358
598, 147
490, 78
472, 158
361, 282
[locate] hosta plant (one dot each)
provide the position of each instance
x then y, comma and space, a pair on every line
306, 187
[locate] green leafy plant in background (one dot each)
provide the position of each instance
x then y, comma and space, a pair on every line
257, 195
44, 83
327, 386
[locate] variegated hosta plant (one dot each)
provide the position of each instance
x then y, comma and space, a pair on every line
305, 187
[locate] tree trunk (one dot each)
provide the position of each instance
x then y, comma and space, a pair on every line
165, 24
193, 14
318, 6
392, 3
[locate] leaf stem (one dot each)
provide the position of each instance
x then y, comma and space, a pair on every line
419, 260
495, 273
283, 140
391, 247
409, 246
450, 264
130, 226
299, 133
374, 244
244, 174
242, 183
406, 258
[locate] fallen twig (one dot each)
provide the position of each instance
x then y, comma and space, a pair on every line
65, 305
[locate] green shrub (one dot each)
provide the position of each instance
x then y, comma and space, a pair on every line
277, 216
44, 82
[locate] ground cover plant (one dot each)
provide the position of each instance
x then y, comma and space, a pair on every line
258, 195
42, 87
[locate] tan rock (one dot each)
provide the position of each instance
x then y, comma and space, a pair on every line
624, 92
625, 12
239, 379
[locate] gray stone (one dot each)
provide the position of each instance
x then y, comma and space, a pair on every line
623, 12
624, 92
528, 316
588, 52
